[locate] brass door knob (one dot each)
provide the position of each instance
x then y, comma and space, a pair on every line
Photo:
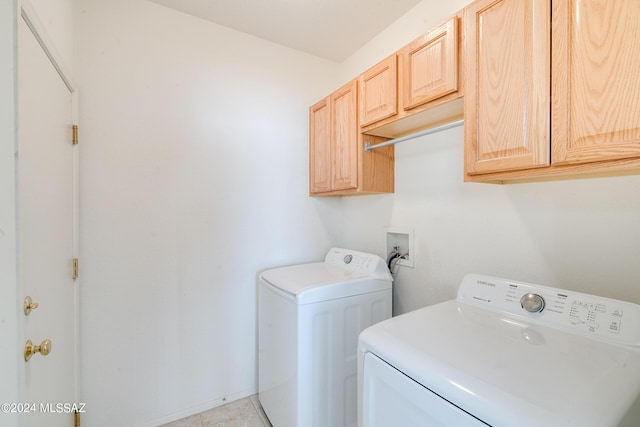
29, 349
29, 305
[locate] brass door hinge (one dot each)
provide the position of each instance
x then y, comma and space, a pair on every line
76, 418
74, 136
75, 268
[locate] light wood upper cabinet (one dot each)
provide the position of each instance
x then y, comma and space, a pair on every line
344, 135
428, 88
507, 101
338, 164
320, 146
333, 135
430, 65
551, 88
379, 91
595, 84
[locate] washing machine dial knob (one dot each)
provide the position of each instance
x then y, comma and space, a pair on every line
348, 258
533, 303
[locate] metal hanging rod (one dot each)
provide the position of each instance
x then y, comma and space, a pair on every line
369, 147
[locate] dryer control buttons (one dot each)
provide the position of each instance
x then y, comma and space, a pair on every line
533, 303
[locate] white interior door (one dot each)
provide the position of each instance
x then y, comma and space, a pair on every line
46, 233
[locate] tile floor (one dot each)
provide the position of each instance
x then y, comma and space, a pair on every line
245, 412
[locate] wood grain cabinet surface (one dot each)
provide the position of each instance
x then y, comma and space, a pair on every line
507, 101
379, 91
595, 82
418, 87
430, 65
551, 88
338, 164
344, 133
320, 146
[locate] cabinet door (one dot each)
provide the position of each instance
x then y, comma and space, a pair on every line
320, 147
430, 65
507, 85
595, 86
378, 92
344, 137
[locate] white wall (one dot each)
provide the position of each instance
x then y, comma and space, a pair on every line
194, 154
582, 235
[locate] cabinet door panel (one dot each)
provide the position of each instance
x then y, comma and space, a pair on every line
320, 147
595, 86
507, 85
430, 65
344, 137
378, 92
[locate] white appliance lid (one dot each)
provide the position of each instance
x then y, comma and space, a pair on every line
343, 273
297, 278
309, 283
507, 370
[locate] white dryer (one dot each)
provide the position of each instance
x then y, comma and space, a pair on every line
504, 354
309, 319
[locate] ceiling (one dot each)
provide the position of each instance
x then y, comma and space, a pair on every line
331, 29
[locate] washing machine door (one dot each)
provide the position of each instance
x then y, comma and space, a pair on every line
390, 398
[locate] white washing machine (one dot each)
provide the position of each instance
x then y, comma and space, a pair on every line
504, 354
310, 316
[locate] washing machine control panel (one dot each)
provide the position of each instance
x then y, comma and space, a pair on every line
585, 314
357, 262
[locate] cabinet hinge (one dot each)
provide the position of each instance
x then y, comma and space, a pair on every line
74, 136
76, 418
75, 268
